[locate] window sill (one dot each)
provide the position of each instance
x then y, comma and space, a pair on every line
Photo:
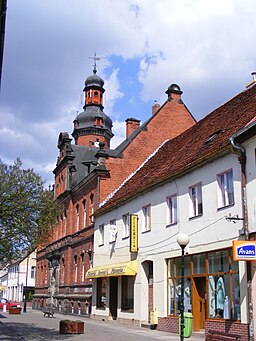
146, 231
224, 207
172, 224
196, 216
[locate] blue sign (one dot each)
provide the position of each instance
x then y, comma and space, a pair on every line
246, 251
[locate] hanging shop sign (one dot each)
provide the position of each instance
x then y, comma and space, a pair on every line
133, 233
244, 250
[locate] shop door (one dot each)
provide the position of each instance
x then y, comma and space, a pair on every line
113, 285
198, 302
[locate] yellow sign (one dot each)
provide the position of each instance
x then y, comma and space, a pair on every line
244, 250
133, 233
113, 270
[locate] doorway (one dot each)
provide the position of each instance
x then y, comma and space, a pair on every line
198, 302
113, 286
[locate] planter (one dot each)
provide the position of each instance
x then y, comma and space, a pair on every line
15, 310
71, 327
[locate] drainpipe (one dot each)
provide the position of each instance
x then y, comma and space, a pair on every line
237, 149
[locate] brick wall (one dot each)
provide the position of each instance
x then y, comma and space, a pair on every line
168, 324
228, 326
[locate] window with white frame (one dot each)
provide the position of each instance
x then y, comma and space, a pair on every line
82, 261
196, 204
126, 225
76, 268
112, 231
171, 209
146, 218
225, 189
101, 234
33, 272
92, 208
77, 217
84, 209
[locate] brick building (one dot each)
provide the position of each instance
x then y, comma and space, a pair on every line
87, 172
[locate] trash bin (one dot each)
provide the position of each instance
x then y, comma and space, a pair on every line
188, 317
154, 316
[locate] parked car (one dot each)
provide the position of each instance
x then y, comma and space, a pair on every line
8, 304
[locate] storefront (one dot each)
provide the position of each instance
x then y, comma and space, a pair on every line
211, 287
113, 289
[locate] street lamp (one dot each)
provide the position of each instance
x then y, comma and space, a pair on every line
182, 240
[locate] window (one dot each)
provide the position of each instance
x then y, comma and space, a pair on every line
196, 205
126, 225
225, 189
33, 272
146, 218
92, 208
172, 209
101, 237
112, 231
84, 209
77, 217
76, 269
63, 271
82, 262
128, 293
101, 293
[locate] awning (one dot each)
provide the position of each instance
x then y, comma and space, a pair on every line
111, 270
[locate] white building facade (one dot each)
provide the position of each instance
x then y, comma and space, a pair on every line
21, 279
205, 198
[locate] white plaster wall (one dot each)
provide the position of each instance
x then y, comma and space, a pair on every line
208, 232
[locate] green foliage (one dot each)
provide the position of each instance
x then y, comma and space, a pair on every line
27, 211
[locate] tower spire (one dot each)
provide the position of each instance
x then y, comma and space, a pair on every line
95, 58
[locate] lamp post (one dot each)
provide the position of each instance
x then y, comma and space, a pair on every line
182, 240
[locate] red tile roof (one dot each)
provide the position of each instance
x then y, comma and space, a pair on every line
206, 139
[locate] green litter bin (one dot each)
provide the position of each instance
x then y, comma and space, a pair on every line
188, 317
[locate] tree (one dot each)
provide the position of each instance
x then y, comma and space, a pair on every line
27, 211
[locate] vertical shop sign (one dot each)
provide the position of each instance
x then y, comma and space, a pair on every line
133, 233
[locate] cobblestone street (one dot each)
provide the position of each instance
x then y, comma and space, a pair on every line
33, 326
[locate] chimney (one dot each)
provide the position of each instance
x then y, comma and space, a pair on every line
155, 107
174, 93
249, 85
131, 125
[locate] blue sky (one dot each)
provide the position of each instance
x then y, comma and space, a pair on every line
205, 46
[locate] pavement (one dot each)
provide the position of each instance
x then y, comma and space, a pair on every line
33, 326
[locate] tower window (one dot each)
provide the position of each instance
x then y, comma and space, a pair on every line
96, 94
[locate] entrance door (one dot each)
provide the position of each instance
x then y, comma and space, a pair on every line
113, 285
198, 302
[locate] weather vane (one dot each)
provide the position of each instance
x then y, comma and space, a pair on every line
95, 58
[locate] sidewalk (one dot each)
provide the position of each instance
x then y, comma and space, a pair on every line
33, 326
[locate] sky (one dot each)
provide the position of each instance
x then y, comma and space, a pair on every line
206, 47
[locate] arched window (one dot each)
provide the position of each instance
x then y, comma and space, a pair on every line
77, 217
92, 207
62, 271
84, 211
82, 263
76, 269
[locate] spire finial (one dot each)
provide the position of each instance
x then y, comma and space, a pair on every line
95, 58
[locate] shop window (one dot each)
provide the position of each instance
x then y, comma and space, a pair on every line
218, 261
172, 209
126, 225
196, 204
199, 264
215, 277
128, 293
101, 293
146, 218
225, 189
